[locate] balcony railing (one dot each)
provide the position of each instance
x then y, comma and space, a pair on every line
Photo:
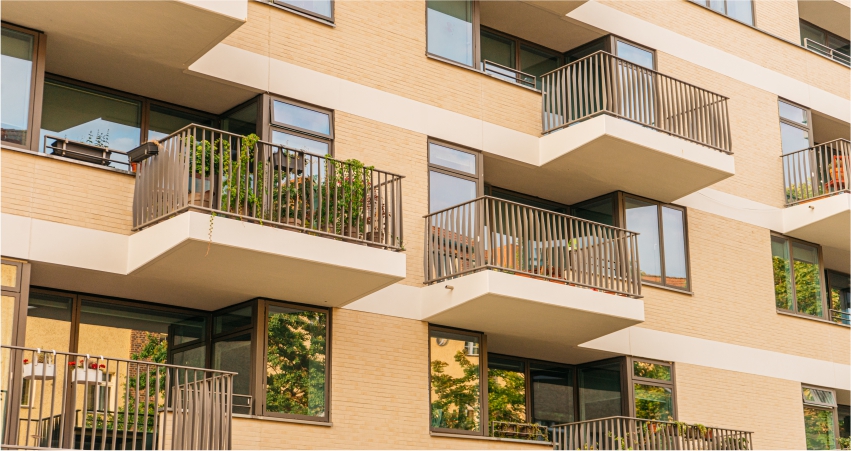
75, 401
824, 50
491, 233
519, 431
816, 172
840, 316
616, 433
602, 83
508, 74
204, 169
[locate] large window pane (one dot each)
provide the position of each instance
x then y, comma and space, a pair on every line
455, 394
649, 370
741, 10
782, 273
807, 279
819, 428
232, 320
643, 217
793, 138
844, 413
552, 394
90, 116
450, 29
301, 118
839, 295
673, 227
497, 49
242, 121
600, 391
234, 354
49, 321
653, 402
451, 158
506, 390
537, 62
296, 142
320, 7
295, 361
793, 113
635, 54
195, 357
447, 191
17, 62
602, 211
812, 33
163, 121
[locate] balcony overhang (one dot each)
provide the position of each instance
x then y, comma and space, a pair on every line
826, 221
191, 261
605, 154
520, 314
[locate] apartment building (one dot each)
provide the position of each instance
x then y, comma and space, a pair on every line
518, 224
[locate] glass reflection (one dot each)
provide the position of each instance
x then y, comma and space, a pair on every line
673, 225
450, 29
455, 393
643, 217
17, 62
447, 191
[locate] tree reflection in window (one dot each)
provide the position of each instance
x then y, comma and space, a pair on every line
455, 378
506, 390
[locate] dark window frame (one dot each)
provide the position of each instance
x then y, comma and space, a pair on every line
36, 88
478, 178
518, 43
609, 42
808, 128
705, 4
483, 381
829, 275
829, 36
822, 279
659, 205
834, 409
297, 131
652, 51
633, 379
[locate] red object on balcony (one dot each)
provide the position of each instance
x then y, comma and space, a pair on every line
836, 176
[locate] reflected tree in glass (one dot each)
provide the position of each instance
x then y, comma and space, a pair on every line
818, 424
782, 273
807, 279
455, 398
506, 395
653, 403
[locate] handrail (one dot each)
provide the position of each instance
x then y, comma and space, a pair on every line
823, 50
81, 151
602, 83
620, 432
492, 233
88, 401
517, 74
817, 171
204, 169
840, 316
521, 431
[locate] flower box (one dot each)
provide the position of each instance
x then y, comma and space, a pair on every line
81, 151
39, 371
87, 376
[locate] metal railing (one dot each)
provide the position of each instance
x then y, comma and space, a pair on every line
828, 52
89, 153
602, 83
79, 401
818, 171
205, 169
840, 316
508, 74
616, 433
491, 233
520, 431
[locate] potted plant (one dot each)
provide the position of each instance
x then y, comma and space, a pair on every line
83, 373
39, 370
95, 150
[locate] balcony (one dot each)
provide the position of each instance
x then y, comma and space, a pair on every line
76, 401
520, 274
615, 433
603, 115
818, 194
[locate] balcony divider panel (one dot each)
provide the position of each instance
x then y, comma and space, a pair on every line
816, 172
602, 83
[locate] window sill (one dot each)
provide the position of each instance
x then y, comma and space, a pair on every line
283, 420
299, 13
68, 160
473, 69
811, 318
665, 287
493, 439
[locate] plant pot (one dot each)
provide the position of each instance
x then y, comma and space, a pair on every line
87, 376
81, 151
144, 151
40, 371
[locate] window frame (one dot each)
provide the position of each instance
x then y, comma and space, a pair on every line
251, 330
834, 409
36, 88
263, 363
476, 25
614, 47
705, 4
633, 379
304, 12
518, 43
476, 178
272, 126
829, 275
828, 36
822, 280
808, 128
483, 381
659, 205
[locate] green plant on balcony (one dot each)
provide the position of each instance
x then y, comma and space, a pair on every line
844, 443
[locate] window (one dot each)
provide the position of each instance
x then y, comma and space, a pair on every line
600, 390
323, 9
795, 129
26, 388
797, 276
553, 394
844, 413
635, 54
839, 296
450, 29
163, 120
472, 348
231, 347
507, 390
511, 54
301, 127
453, 176
296, 365
820, 417
825, 41
741, 10
662, 243
455, 378
653, 390
242, 120
23, 68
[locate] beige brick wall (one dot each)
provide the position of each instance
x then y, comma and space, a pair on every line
779, 17
770, 408
69, 193
733, 300
695, 22
379, 394
382, 44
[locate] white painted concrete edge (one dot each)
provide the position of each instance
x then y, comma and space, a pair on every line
236, 9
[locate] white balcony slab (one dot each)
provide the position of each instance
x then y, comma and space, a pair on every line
605, 154
187, 261
521, 315
826, 221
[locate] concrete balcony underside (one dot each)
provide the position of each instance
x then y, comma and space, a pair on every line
192, 262
605, 154
826, 221
522, 315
